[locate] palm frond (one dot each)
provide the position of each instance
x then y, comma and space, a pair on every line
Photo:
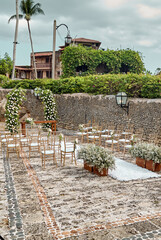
23, 7
29, 5
36, 9
14, 17
28, 8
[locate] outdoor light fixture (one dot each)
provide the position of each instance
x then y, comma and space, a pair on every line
121, 100
68, 40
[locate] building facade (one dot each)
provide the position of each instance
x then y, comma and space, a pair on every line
44, 61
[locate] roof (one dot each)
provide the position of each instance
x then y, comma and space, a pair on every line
61, 48
85, 40
25, 68
37, 54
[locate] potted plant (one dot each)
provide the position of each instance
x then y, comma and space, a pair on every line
96, 159
147, 155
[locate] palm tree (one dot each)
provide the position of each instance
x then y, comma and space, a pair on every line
15, 41
29, 9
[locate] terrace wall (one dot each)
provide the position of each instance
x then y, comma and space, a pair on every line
75, 109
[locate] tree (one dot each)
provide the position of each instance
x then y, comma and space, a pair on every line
29, 9
6, 65
157, 71
15, 41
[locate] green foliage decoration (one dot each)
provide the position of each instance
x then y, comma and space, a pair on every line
14, 101
119, 61
50, 111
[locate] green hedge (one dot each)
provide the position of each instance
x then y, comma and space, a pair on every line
144, 86
114, 61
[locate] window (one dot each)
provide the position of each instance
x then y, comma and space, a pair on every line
47, 59
47, 74
39, 74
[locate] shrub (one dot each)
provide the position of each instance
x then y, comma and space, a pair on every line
3, 79
135, 85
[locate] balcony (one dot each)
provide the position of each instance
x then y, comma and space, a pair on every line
44, 66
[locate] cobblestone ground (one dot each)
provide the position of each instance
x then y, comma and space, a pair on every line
70, 203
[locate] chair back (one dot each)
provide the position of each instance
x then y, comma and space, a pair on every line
68, 144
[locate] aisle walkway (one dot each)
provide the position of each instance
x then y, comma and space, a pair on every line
125, 171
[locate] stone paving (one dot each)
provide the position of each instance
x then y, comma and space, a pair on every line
71, 203
15, 220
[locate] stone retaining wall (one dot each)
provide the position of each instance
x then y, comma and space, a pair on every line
74, 109
80, 108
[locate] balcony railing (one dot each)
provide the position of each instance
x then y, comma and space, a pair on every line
43, 65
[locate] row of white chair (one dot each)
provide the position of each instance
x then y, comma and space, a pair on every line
49, 146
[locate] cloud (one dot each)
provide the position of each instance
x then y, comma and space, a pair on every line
146, 43
118, 23
114, 3
148, 12
6, 29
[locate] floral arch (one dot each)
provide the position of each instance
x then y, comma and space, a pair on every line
14, 102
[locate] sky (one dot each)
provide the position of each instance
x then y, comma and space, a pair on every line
117, 24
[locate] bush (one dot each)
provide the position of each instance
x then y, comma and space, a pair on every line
135, 85
3, 79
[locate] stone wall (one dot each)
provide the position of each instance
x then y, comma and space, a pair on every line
80, 108
74, 109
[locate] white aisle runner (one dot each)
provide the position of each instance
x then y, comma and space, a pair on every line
125, 171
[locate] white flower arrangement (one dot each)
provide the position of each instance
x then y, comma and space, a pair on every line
96, 156
133, 140
81, 127
112, 134
147, 151
30, 121
14, 100
61, 137
50, 111
76, 141
94, 129
49, 132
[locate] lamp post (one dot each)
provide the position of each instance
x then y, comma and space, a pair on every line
68, 40
121, 100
